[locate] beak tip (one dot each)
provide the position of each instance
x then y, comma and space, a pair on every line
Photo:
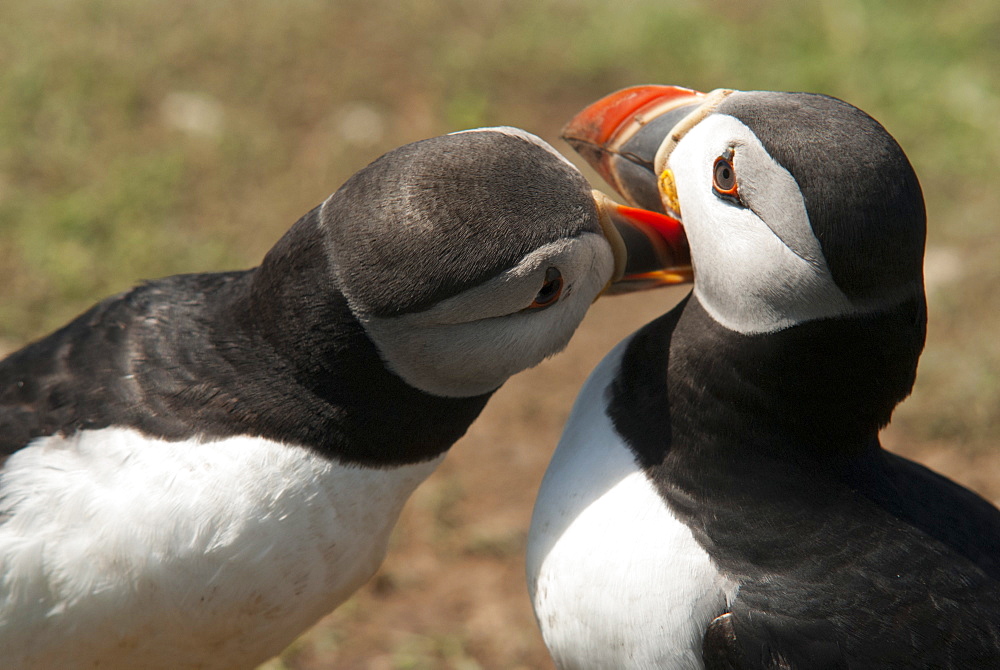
620, 135
596, 157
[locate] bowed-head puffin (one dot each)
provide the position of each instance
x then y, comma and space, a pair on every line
196, 470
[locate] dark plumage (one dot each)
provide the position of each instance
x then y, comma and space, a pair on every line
196, 470
753, 409
845, 554
274, 352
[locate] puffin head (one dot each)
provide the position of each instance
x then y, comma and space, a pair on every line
797, 206
472, 256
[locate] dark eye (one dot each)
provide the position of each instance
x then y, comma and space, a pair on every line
551, 289
724, 180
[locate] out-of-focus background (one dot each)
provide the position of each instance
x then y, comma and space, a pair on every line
141, 139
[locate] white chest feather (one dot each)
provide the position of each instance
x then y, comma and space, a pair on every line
120, 551
617, 581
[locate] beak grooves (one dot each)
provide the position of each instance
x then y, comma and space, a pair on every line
712, 100
650, 249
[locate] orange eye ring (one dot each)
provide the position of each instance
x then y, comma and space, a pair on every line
550, 291
724, 179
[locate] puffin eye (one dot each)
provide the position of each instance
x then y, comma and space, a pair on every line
550, 291
724, 180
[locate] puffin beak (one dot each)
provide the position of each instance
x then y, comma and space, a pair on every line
650, 248
627, 137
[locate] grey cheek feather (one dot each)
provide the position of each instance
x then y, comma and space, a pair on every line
788, 292
774, 196
451, 360
758, 269
471, 343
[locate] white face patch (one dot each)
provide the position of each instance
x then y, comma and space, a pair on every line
758, 268
473, 342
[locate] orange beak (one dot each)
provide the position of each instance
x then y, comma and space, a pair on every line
620, 134
650, 248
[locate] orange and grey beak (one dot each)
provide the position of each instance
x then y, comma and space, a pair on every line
650, 248
628, 136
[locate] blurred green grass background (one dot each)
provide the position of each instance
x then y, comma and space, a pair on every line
139, 139
146, 138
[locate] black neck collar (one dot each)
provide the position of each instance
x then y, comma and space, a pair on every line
818, 392
327, 386
273, 352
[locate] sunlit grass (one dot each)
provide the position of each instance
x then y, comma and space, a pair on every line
103, 182
139, 139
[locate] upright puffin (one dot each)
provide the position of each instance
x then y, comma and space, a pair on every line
719, 498
196, 470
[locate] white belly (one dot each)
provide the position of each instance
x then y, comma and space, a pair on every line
616, 580
120, 551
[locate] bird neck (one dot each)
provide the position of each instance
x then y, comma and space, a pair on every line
814, 393
327, 386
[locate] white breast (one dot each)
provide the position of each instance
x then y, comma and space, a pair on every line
617, 581
120, 551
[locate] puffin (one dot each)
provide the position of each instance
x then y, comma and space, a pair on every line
198, 469
719, 498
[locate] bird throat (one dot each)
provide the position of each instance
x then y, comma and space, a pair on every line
815, 392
